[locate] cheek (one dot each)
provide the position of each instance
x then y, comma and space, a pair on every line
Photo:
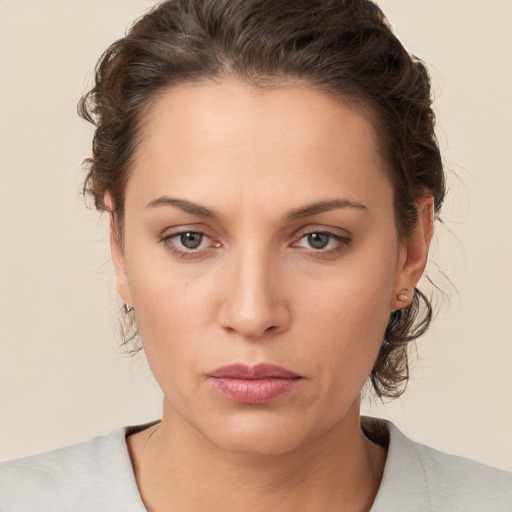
169, 307
171, 317
356, 294
171, 324
347, 317
169, 294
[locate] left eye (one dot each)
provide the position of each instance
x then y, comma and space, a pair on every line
320, 240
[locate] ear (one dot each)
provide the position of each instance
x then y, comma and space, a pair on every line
122, 286
413, 255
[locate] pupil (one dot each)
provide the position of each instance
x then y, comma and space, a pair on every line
191, 240
318, 240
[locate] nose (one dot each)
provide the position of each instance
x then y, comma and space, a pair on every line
253, 301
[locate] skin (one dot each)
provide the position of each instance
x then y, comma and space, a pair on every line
257, 291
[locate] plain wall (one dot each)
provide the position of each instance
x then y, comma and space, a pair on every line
62, 376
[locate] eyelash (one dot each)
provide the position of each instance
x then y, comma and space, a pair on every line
185, 253
342, 243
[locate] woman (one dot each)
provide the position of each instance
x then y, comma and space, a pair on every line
271, 176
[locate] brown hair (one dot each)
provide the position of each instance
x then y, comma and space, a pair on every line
345, 48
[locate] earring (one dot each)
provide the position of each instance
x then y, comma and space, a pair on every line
403, 296
128, 308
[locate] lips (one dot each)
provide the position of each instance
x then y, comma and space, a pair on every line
260, 371
253, 384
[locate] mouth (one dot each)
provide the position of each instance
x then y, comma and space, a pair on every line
257, 384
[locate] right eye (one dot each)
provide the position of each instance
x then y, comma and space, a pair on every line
190, 239
188, 243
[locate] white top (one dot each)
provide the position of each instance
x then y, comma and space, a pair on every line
97, 476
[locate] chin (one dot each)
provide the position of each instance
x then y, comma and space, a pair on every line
258, 435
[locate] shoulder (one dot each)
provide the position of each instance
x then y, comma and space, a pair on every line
93, 475
455, 481
417, 477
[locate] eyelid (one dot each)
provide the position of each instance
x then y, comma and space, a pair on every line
342, 236
168, 235
331, 230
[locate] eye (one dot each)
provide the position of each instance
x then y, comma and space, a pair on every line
190, 239
323, 241
318, 240
189, 243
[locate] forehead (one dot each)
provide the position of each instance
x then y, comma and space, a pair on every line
290, 140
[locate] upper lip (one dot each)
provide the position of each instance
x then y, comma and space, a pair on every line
254, 372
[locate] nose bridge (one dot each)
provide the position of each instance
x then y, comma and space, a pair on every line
252, 304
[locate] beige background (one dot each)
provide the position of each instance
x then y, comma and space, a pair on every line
62, 376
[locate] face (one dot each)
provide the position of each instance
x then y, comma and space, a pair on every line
259, 230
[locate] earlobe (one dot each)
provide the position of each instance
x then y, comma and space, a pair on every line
414, 260
402, 299
116, 250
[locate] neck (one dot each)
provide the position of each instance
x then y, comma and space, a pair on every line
177, 468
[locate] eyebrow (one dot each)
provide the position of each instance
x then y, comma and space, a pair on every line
298, 213
186, 206
321, 207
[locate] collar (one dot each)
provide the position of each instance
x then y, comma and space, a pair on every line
404, 484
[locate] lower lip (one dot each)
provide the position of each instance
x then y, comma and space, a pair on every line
254, 391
